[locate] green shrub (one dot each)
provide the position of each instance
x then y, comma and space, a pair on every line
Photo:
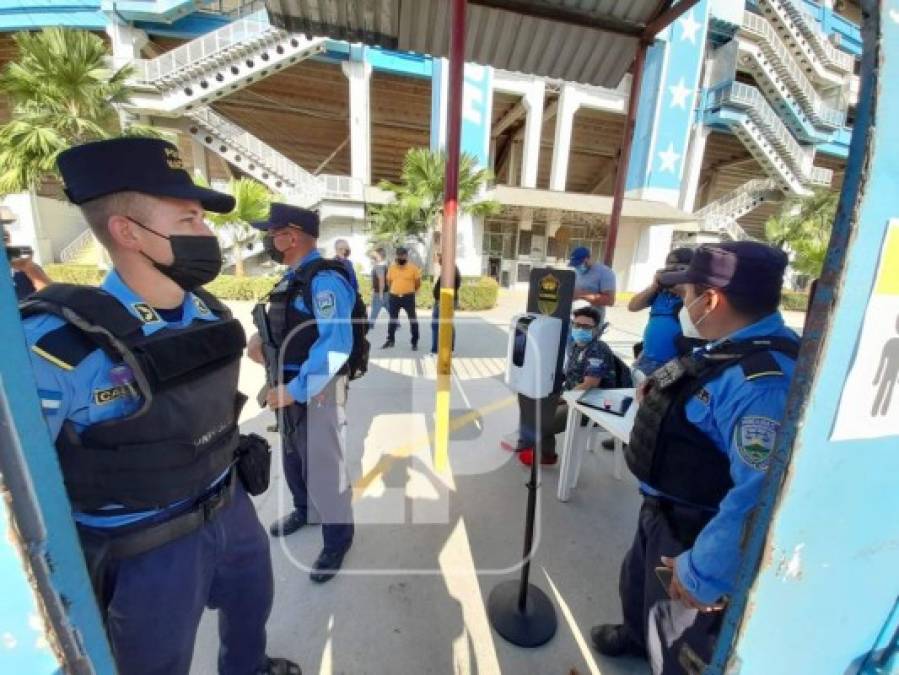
476, 293
86, 275
795, 301
224, 286
229, 287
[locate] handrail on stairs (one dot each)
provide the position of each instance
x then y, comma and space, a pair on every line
809, 25
761, 28
190, 54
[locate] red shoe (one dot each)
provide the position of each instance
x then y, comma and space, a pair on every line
526, 457
510, 443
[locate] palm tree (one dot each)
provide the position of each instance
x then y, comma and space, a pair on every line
418, 204
62, 92
252, 202
804, 227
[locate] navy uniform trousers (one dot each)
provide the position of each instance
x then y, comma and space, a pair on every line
314, 464
677, 639
153, 601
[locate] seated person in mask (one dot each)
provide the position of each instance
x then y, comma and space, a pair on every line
660, 337
589, 363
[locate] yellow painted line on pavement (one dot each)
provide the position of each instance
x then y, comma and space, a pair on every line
424, 441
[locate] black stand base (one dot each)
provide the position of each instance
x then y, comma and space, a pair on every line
531, 628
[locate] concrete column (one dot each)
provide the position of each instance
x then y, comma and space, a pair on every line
568, 104
198, 153
513, 162
666, 114
693, 168
126, 42
533, 128
359, 74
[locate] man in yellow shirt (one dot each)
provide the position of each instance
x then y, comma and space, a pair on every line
403, 281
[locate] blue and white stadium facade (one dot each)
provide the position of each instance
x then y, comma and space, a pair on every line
742, 106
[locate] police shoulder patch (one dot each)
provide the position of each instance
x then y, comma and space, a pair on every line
144, 312
325, 303
704, 395
596, 363
754, 437
200, 305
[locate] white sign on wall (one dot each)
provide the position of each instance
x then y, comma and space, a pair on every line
869, 406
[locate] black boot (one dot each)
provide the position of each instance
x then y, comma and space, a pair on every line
327, 565
387, 345
612, 640
289, 524
280, 667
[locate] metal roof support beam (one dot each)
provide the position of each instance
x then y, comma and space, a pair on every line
574, 17
666, 18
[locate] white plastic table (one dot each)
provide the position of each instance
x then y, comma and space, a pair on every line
576, 438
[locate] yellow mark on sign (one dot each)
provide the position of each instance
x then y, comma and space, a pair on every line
888, 279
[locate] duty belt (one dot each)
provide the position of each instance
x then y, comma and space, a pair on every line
160, 534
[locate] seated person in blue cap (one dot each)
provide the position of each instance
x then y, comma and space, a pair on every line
138, 383
700, 447
589, 363
594, 282
660, 337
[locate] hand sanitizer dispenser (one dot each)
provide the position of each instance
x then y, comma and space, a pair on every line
533, 353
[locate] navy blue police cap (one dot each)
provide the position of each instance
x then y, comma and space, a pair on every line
287, 215
747, 268
151, 166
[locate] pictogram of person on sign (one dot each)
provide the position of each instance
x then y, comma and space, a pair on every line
887, 374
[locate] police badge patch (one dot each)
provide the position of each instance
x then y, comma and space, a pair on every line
325, 303
200, 305
754, 438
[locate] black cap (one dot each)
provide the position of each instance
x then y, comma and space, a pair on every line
737, 267
402, 250
151, 166
287, 215
679, 256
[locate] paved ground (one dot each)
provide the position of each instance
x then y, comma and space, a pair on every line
431, 545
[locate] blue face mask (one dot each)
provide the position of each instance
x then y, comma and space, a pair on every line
582, 335
582, 268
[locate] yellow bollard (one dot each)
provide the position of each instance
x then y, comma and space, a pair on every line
444, 373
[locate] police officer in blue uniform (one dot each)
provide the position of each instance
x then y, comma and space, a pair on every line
308, 322
700, 447
138, 384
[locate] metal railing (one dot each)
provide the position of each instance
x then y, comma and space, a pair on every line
240, 34
312, 189
721, 213
78, 246
781, 57
816, 37
751, 99
820, 175
255, 151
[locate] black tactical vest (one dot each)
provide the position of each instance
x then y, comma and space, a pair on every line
185, 433
667, 451
292, 332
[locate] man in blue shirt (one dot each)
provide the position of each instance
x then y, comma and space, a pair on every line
311, 347
594, 282
701, 445
660, 337
138, 384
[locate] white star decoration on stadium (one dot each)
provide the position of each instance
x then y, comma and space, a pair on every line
679, 94
690, 27
669, 159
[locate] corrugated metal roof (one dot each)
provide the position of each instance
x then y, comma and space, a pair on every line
495, 37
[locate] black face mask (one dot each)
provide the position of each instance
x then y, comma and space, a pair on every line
400, 261
197, 258
268, 245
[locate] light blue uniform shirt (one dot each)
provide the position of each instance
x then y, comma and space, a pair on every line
69, 393
597, 279
333, 299
742, 418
